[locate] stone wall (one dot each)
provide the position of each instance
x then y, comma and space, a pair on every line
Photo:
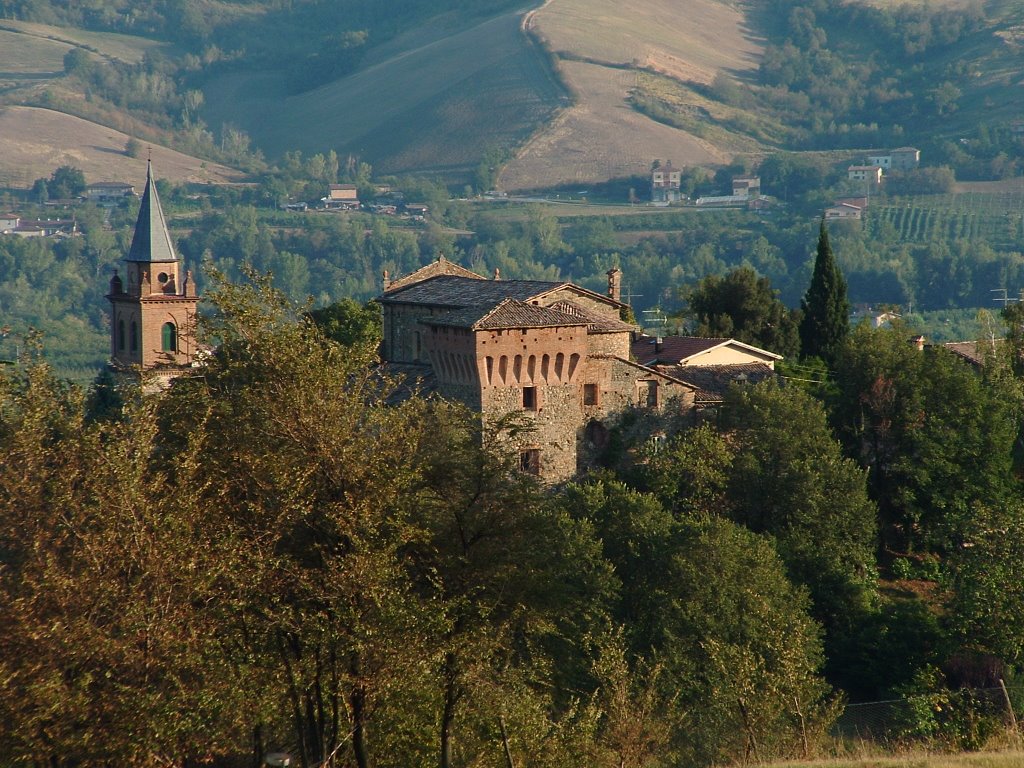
616, 344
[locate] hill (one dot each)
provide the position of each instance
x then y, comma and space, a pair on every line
603, 48
38, 140
432, 100
570, 92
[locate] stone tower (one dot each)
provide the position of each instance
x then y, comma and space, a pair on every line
152, 318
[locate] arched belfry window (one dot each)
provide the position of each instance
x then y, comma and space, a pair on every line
134, 338
120, 334
169, 337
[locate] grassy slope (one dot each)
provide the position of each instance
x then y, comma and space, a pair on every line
35, 141
602, 136
433, 100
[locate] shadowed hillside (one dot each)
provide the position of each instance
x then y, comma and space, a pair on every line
433, 100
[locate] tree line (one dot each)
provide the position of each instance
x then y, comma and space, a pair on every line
291, 552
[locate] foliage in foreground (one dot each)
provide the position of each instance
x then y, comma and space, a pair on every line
290, 552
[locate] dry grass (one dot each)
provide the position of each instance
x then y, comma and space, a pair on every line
36, 141
602, 136
691, 40
433, 101
22, 54
915, 760
126, 48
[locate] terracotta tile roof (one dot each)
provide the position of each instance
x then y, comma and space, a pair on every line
673, 348
713, 381
661, 371
459, 291
972, 351
596, 322
509, 313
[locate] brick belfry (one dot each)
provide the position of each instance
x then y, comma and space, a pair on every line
152, 318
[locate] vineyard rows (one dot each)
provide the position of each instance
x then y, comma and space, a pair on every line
983, 218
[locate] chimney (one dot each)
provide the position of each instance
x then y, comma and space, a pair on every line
497, 273
658, 344
614, 284
387, 280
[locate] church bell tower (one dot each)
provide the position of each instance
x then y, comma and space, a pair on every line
152, 318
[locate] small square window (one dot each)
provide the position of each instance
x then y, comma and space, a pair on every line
590, 394
529, 461
530, 398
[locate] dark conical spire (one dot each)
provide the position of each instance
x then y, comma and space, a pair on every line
152, 241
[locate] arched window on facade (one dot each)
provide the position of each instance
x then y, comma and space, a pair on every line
120, 334
133, 340
169, 338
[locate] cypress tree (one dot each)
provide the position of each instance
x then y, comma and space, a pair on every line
826, 320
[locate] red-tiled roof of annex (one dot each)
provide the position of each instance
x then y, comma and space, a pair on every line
972, 351
673, 348
510, 313
713, 381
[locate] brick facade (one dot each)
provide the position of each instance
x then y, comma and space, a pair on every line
552, 356
152, 318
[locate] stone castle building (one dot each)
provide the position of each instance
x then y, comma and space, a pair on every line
152, 318
552, 353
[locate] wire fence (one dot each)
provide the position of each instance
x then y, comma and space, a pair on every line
963, 718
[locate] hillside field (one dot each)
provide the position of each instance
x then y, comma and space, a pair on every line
432, 101
35, 141
602, 46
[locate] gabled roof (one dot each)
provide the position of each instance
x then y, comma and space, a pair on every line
713, 381
596, 322
435, 269
660, 373
974, 352
152, 241
509, 313
461, 291
681, 350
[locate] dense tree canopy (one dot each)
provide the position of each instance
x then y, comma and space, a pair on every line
741, 305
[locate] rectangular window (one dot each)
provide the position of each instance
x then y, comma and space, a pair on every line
529, 461
530, 398
590, 394
647, 394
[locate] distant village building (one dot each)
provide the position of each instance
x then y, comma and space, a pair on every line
153, 309
847, 208
8, 221
870, 173
711, 366
109, 192
883, 161
342, 196
551, 353
746, 186
905, 158
417, 211
666, 181
41, 227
